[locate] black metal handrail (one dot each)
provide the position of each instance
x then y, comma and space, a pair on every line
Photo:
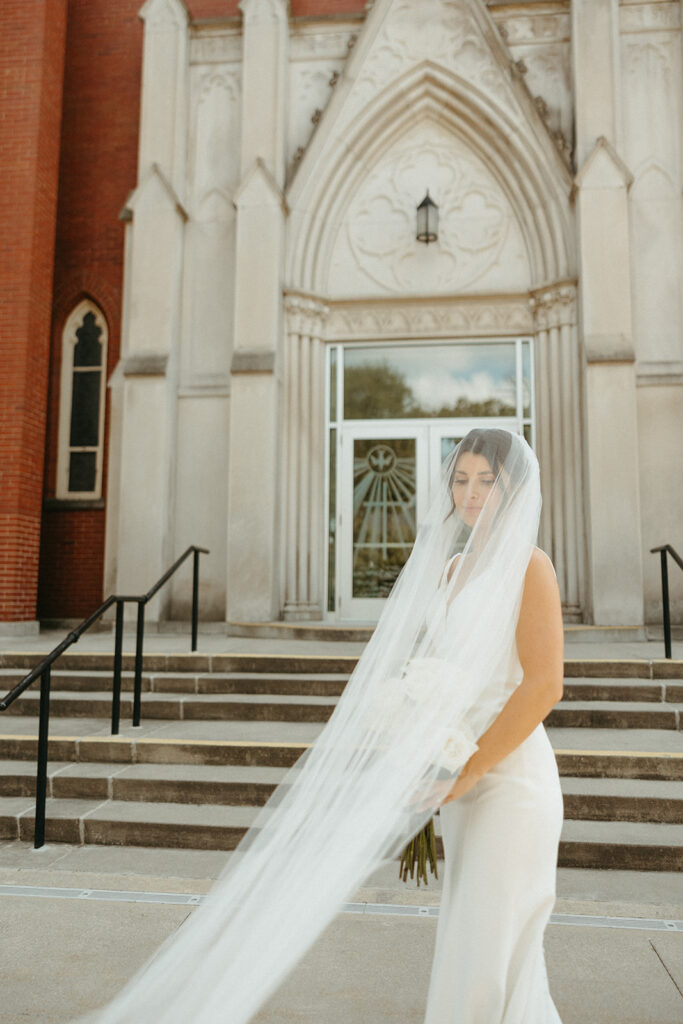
664, 550
44, 670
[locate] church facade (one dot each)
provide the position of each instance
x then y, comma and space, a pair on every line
352, 232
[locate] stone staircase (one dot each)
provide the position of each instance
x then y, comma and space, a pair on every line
219, 731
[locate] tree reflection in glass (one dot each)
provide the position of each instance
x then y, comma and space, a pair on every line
431, 381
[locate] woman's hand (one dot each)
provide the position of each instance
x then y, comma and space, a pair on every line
465, 781
443, 791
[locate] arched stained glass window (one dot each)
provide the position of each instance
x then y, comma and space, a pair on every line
81, 415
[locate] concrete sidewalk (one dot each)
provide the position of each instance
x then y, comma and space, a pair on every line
70, 947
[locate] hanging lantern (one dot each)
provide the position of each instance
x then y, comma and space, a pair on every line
427, 220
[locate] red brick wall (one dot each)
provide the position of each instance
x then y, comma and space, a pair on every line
31, 71
97, 171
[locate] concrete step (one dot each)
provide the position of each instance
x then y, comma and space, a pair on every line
591, 844
611, 713
237, 785
223, 707
306, 685
584, 798
616, 715
643, 800
72, 660
607, 753
317, 684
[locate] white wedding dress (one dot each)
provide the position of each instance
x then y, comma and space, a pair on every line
500, 845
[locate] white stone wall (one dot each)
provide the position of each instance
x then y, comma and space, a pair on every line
280, 167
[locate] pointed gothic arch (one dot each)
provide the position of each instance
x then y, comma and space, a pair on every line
526, 165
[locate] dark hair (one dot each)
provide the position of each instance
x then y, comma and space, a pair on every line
492, 443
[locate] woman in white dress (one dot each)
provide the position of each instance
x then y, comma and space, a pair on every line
502, 819
437, 689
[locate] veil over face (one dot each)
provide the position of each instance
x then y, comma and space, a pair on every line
433, 677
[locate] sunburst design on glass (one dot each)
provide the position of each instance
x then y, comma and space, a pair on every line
384, 516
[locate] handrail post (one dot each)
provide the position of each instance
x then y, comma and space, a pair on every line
137, 686
665, 603
195, 596
41, 773
116, 686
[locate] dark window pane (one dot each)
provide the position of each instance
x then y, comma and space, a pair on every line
88, 350
85, 410
82, 471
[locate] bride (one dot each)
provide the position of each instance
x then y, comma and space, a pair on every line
443, 712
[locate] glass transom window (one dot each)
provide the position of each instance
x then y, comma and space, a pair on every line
442, 381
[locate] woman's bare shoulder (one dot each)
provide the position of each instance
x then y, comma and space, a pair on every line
540, 570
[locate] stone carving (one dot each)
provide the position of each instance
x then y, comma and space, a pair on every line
305, 315
650, 17
452, 319
533, 28
443, 32
216, 47
311, 85
554, 307
319, 45
475, 217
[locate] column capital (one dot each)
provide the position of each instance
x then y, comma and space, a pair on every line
305, 315
554, 307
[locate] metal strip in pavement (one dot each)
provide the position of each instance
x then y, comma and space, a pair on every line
371, 909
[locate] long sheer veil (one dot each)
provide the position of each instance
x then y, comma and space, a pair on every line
430, 681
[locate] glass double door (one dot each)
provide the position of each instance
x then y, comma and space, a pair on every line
387, 472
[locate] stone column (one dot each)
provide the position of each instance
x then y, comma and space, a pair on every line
254, 469
615, 570
141, 480
303, 482
559, 441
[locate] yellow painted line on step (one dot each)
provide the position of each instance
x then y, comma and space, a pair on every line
285, 657
160, 739
624, 753
302, 743
223, 743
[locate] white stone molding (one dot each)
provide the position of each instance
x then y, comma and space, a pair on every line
547, 24
215, 44
318, 41
430, 318
595, 66
253, 545
163, 108
303, 458
555, 307
610, 421
558, 373
265, 40
649, 17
